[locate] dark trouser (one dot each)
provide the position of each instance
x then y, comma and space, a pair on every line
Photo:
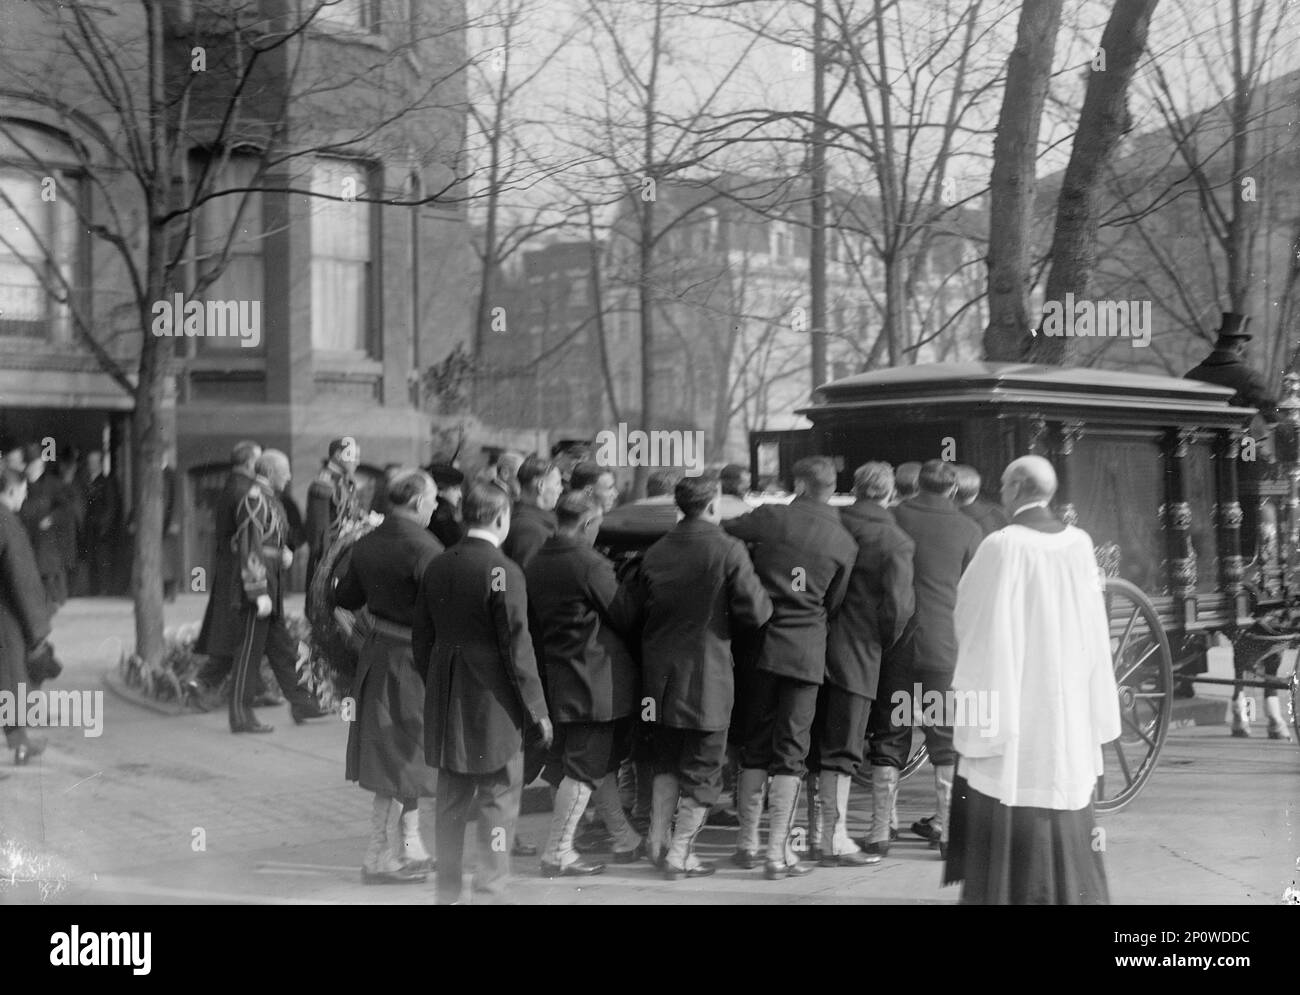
103, 568
888, 745
270, 637
215, 669
895, 744
778, 722
587, 751
694, 757
839, 731
498, 795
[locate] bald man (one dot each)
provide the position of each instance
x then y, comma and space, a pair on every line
1034, 676
262, 560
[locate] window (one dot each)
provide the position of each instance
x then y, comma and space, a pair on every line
355, 15
38, 250
340, 257
234, 219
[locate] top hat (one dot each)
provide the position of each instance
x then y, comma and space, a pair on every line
1234, 326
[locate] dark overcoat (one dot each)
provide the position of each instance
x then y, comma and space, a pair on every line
1226, 369
590, 675
24, 620
692, 591
946, 541
222, 627
471, 637
879, 603
385, 751
804, 556
529, 528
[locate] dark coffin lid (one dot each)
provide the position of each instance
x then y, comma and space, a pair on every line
1022, 384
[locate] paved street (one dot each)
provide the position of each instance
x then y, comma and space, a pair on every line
117, 817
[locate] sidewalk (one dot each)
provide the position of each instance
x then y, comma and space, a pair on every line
176, 810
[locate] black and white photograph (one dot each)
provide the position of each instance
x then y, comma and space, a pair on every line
650, 453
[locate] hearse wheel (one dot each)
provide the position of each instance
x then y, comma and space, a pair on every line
1144, 678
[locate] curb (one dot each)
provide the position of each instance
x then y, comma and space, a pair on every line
130, 695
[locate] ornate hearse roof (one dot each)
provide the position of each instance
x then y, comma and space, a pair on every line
1016, 384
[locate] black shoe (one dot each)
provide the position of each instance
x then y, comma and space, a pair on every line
403, 875
577, 869
747, 859
301, 713
722, 818
24, 751
523, 848
775, 872
252, 725
672, 873
630, 856
923, 829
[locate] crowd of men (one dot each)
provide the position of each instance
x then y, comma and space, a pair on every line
639, 659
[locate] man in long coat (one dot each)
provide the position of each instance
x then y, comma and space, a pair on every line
804, 557
385, 751
332, 501
483, 693
693, 591
946, 541
24, 620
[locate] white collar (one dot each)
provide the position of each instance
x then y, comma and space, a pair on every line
1032, 504
477, 533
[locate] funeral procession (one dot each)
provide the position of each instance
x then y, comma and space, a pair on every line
648, 453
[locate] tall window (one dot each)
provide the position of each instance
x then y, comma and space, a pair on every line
340, 257
358, 15
38, 242
231, 225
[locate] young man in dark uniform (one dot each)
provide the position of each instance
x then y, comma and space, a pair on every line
804, 557
875, 614
385, 751
258, 589
946, 541
482, 691
592, 684
692, 591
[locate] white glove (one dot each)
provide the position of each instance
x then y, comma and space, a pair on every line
263, 605
286, 557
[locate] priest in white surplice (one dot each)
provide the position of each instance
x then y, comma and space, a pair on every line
1034, 651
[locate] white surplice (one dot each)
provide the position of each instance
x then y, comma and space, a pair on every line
1032, 633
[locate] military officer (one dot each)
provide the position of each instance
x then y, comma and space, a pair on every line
482, 692
385, 752
689, 594
257, 590
332, 500
804, 557
220, 633
592, 684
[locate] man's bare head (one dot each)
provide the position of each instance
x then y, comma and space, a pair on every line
1029, 478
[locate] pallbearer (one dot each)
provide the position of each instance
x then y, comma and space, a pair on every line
875, 613
591, 682
693, 590
804, 556
385, 752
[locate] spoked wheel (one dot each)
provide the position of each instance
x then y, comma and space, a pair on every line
862, 778
1144, 678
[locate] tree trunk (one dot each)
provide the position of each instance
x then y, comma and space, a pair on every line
1011, 202
1102, 123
